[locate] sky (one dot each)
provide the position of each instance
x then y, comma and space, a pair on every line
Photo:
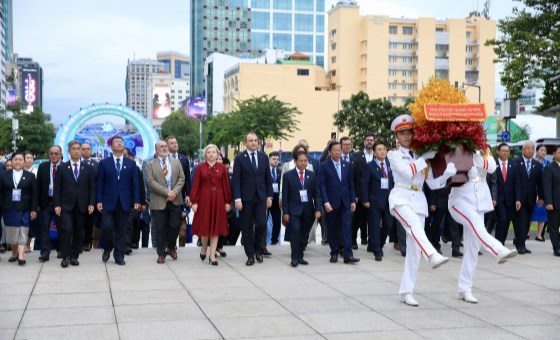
83, 46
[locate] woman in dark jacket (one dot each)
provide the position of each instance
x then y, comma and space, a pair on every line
18, 192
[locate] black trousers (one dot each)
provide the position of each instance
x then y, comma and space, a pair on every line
380, 223
339, 222
300, 226
168, 222
253, 225
553, 224
133, 223
234, 226
454, 232
504, 216
114, 226
401, 236
275, 213
359, 222
47, 215
522, 224
140, 227
433, 224
71, 232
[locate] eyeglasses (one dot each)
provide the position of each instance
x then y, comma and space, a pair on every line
54, 153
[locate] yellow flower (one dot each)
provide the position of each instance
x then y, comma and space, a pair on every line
437, 91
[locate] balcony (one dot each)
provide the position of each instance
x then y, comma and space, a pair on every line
471, 68
471, 55
402, 40
442, 64
472, 42
402, 53
442, 38
402, 67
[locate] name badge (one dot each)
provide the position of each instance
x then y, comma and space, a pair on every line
275, 188
16, 195
168, 182
303, 196
50, 191
384, 183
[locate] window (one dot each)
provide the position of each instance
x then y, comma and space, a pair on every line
407, 60
320, 43
333, 73
392, 86
439, 29
333, 46
232, 24
320, 60
283, 4
304, 22
302, 72
407, 87
468, 35
303, 43
469, 62
333, 33
392, 29
393, 99
407, 73
282, 21
243, 24
260, 20
407, 30
320, 5
320, 24
304, 5
260, 41
392, 60
260, 4
469, 48
393, 46
333, 60
282, 41
392, 73
407, 47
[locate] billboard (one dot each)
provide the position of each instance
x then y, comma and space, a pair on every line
161, 101
30, 86
12, 94
197, 107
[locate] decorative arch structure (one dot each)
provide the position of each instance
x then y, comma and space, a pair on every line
77, 120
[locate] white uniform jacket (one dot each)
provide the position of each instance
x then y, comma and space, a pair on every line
408, 174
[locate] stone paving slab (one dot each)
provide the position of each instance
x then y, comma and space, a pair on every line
189, 299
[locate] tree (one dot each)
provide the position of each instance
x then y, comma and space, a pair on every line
269, 118
530, 48
36, 130
5, 135
360, 115
185, 129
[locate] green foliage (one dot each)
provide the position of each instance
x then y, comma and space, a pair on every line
269, 118
185, 129
360, 115
5, 135
522, 132
36, 131
530, 47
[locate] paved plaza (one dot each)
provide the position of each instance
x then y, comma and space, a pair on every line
189, 299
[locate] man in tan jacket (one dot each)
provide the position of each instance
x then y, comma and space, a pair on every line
165, 178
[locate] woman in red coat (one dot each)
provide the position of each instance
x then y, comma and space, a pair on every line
210, 196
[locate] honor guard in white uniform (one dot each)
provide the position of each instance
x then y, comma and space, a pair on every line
467, 205
408, 204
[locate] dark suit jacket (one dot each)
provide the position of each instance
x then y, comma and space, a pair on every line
438, 197
28, 187
370, 189
334, 191
315, 163
43, 181
110, 188
291, 199
249, 184
530, 185
185, 164
68, 192
276, 196
551, 180
492, 181
358, 164
508, 192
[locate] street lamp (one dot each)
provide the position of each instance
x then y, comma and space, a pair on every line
15, 128
470, 85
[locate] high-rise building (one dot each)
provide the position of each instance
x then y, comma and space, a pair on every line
176, 64
29, 82
138, 73
6, 34
391, 58
246, 28
166, 94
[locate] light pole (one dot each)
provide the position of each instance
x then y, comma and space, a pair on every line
15, 128
471, 85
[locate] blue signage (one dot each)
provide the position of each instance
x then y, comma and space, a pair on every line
506, 136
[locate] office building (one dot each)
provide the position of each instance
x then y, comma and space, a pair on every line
167, 94
7, 45
391, 58
176, 64
138, 73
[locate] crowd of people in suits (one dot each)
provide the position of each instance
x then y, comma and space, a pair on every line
372, 195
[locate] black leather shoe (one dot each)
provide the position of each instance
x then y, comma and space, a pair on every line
341, 252
12, 259
294, 263
439, 251
557, 253
369, 249
354, 246
302, 261
106, 255
539, 239
378, 258
364, 243
21, 262
44, 258
527, 251
74, 262
351, 260
259, 258
64, 263
444, 239
456, 253
521, 251
58, 255
222, 253
128, 251
334, 258
250, 261
202, 257
265, 252
134, 246
120, 262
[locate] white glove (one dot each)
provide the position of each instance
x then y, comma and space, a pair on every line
428, 155
478, 161
450, 170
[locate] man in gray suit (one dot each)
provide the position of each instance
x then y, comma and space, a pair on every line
165, 178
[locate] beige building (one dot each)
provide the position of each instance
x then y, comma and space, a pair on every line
299, 83
391, 58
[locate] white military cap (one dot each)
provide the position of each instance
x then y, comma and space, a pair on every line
402, 122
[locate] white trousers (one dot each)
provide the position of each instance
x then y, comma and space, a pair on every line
474, 236
417, 243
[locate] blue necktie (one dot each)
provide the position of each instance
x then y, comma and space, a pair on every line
253, 160
338, 170
118, 167
528, 167
411, 154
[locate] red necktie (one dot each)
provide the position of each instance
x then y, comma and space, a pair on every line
504, 173
164, 168
53, 173
301, 178
383, 170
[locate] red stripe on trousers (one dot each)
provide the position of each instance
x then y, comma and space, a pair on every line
474, 229
408, 225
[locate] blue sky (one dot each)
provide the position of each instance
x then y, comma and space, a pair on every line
83, 46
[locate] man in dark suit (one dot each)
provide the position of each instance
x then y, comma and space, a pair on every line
377, 182
530, 186
46, 175
360, 217
551, 185
117, 192
301, 205
508, 192
437, 206
95, 218
233, 215
252, 193
274, 210
173, 146
135, 225
336, 183
74, 199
